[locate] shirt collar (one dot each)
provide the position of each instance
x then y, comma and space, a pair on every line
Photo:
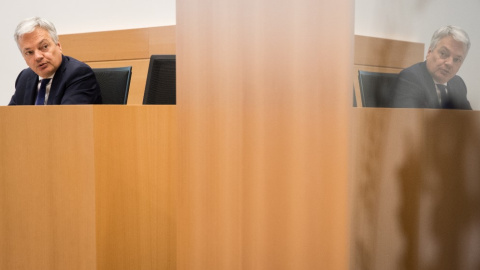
41, 78
439, 83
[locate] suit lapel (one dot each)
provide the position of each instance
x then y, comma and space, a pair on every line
57, 78
432, 97
53, 89
31, 93
432, 94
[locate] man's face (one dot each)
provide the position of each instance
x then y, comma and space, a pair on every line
444, 61
41, 54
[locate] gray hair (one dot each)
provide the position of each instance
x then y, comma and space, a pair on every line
456, 32
30, 24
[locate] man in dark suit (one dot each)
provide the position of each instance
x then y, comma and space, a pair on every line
434, 83
65, 79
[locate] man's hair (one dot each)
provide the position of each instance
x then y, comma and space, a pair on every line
454, 31
30, 24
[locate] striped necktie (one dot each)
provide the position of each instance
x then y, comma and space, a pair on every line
444, 102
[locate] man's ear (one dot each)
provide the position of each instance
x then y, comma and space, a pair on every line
428, 53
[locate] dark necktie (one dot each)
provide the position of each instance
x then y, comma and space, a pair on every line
41, 92
443, 95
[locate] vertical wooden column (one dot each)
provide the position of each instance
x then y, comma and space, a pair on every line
264, 89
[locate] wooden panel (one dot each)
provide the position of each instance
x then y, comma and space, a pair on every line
447, 199
163, 40
415, 189
120, 44
139, 76
136, 174
47, 188
371, 51
263, 118
382, 142
75, 180
108, 45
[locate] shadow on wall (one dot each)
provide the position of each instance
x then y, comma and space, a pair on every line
439, 206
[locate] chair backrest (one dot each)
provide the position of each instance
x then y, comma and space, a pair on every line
161, 80
354, 98
377, 88
114, 84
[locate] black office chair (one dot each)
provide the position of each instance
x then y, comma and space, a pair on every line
161, 80
376, 88
114, 84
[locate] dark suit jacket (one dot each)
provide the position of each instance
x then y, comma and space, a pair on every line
416, 89
73, 83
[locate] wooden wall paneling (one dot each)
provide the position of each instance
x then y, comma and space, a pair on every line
47, 188
263, 118
371, 51
107, 45
136, 176
163, 40
138, 80
117, 45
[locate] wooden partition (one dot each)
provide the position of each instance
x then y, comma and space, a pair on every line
47, 188
132, 47
415, 191
264, 89
81, 189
